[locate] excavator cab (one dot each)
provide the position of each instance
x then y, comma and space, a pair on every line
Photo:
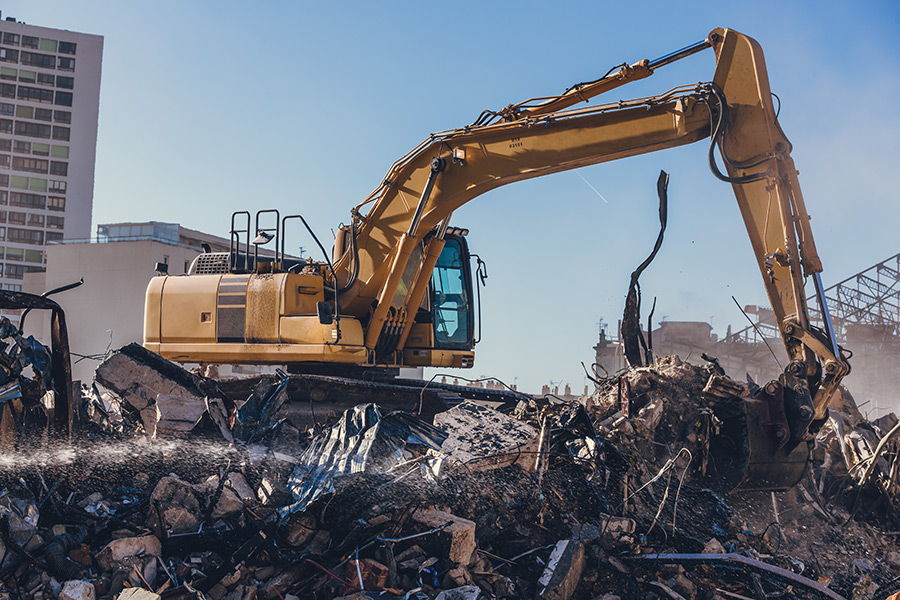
451, 297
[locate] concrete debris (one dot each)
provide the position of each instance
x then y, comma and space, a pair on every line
168, 398
563, 572
466, 592
118, 551
621, 494
77, 590
135, 593
482, 438
460, 545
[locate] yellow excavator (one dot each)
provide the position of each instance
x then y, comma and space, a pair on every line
397, 290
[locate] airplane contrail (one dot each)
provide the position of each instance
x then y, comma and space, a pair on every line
593, 188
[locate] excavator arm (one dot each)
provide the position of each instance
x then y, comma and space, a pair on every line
756, 156
735, 111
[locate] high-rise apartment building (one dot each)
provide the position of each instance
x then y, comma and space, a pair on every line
49, 106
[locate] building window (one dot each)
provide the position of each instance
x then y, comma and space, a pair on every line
4, 161
56, 203
32, 165
7, 109
6, 125
59, 168
27, 200
43, 114
34, 256
20, 147
9, 74
45, 61
27, 76
55, 222
46, 79
15, 271
10, 56
25, 236
4, 181
48, 45
15, 254
5, 145
66, 64
12, 287
39, 149
54, 236
65, 82
19, 182
61, 133
11, 39
35, 220
62, 116
7, 90
57, 187
37, 94
59, 151
3, 196
37, 130
63, 98
67, 47
29, 42
2, 216
36, 184
25, 112
16, 218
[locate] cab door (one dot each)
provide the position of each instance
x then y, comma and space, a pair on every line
451, 297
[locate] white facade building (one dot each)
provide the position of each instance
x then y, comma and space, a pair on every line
108, 310
49, 107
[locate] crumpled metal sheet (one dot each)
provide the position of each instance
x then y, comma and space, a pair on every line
19, 507
257, 415
362, 441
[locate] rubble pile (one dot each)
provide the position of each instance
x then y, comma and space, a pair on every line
171, 491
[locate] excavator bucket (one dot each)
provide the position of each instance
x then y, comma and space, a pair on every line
770, 464
751, 448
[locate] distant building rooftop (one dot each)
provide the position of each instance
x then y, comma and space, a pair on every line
172, 234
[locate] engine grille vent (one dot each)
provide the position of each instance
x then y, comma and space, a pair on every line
210, 263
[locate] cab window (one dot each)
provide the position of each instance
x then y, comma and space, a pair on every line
450, 300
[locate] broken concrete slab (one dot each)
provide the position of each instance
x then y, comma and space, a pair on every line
459, 533
563, 571
178, 413
178, 505
162, 391
118, 550
482, 438
228, 502
239, 484
466, 592
136, 593
78, 590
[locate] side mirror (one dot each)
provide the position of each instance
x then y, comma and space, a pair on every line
326, 314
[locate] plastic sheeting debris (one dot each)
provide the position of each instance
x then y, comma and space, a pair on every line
362, 441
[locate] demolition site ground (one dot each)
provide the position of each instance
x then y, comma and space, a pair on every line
175, 486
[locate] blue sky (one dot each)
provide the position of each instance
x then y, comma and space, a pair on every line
211, 107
